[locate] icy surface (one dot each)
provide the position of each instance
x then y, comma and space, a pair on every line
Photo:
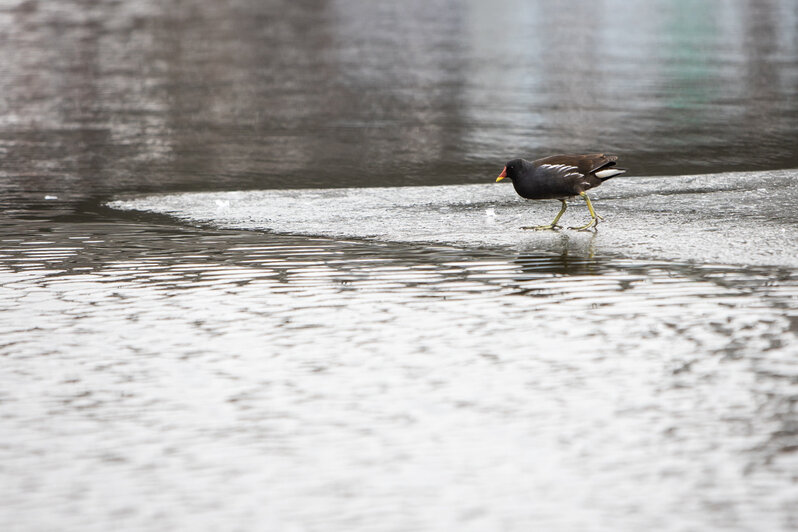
731, 218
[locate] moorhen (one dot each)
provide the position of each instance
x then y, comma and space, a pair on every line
561, 177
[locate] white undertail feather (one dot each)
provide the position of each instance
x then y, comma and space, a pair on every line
609, 172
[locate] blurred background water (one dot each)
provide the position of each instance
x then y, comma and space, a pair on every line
160, 375
102, 97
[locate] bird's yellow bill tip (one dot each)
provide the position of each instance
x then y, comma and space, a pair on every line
500, 178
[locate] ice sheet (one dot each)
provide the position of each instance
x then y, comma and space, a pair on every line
729, 218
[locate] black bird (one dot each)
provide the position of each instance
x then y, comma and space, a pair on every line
561, 177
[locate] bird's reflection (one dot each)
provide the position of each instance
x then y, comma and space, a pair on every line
567, 256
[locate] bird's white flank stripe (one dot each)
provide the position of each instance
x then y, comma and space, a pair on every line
558, 167
604, 174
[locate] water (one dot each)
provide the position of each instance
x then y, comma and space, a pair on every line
208, 323
213, 379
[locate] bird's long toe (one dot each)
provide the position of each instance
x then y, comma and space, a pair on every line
592, 224
550, 227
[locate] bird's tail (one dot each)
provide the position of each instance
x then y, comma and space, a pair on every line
607, 173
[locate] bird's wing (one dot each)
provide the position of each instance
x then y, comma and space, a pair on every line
560, 171
586, 164
562, 177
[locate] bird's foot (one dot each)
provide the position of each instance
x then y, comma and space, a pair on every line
592, 224
550, 227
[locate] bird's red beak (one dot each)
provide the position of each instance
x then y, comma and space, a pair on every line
502, 175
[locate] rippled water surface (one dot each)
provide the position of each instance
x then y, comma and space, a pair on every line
205, 379
228, 303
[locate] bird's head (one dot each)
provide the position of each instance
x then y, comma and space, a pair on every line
511, 169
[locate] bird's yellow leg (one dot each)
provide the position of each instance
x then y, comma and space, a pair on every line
594, 218
553, 224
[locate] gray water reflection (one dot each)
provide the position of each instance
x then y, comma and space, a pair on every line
154, 96
176, 366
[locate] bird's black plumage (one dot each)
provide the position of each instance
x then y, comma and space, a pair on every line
561, 177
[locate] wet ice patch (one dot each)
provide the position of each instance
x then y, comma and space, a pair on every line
733, 218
